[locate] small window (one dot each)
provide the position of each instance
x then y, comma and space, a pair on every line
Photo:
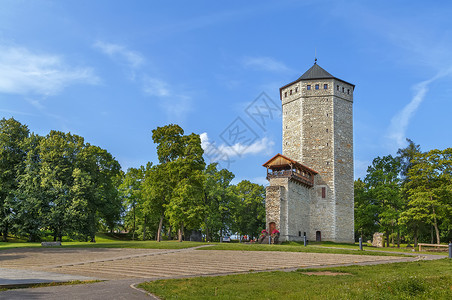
316, 86
285, 94
348, 91
323, 192
308, 87
325, 86
343, 89
327, 146
327, 130
291, 92
337, 88
296, 89
299, 233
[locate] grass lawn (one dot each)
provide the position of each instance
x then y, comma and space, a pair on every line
293, 247
105, 241
413, 280
369, 247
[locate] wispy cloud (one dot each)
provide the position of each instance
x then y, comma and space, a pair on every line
265, 63
24, 72
263, 145
15, 112
115, 51
400, 122
176, 104
155, 87
180, 103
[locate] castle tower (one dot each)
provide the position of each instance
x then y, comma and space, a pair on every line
318, 134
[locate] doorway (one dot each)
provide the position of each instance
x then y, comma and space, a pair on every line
318, 236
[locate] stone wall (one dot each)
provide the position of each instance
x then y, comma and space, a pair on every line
343, 164
275, 203
298, 212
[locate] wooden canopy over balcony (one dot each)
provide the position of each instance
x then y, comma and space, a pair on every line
280, 166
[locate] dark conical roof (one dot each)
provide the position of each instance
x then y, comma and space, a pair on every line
315, 72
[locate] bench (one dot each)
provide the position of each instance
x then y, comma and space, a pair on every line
430, 245
50, 244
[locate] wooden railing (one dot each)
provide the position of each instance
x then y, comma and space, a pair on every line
305, 179
430, 245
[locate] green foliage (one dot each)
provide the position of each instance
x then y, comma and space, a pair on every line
60, 185
407, 195
218, 198
430, 191
57, 182
13, 137
248, 209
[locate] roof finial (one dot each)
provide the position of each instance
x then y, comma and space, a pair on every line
315, 56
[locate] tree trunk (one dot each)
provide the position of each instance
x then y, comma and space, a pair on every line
398, 238
387, 239
392, 237
93, 239
144, 229
207, 230
432, 238
415, 238
435, 224
5, 233
169, 233
159, 232
181, 232
134, 223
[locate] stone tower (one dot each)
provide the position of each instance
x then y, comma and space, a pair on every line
317, 135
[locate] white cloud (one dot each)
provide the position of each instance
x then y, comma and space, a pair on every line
222, 151
400, 122
23, 72
155, 87
114, 51
264, 63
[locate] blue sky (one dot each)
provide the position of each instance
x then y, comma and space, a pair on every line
112, 71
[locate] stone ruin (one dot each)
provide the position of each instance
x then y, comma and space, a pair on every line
378, 240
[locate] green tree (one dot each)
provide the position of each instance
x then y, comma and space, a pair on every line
218, 199
366, 211
383, 186
13, 135
429, 190
31, 204
249, 208
158, 191
131, 192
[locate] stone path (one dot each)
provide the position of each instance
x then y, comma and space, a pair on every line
123, 267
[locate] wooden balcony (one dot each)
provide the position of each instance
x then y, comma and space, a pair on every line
306, 179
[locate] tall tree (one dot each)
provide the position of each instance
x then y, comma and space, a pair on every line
182, 161
131, 191
218, 198
429, 189
249, 208
366, 211
383, 184
13, 135
31, 206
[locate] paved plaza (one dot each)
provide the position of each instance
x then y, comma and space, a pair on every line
123, 267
